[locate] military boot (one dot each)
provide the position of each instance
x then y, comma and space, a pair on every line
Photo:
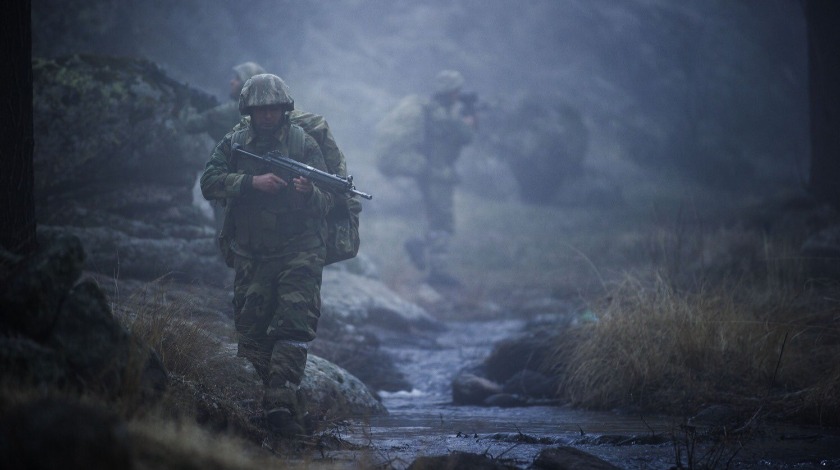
283, 413
284, 410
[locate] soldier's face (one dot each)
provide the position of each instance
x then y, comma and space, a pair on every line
267, 118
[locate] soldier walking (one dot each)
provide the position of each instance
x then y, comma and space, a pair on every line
274, 231
422, 139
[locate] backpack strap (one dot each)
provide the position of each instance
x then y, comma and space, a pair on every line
238, 137
226, 233
297, 141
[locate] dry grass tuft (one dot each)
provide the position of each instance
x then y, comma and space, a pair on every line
761, 339
655, 344
164, 324
168, 444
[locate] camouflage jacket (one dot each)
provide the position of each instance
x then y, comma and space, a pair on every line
316, 126
421, 138
446, 134
267, 223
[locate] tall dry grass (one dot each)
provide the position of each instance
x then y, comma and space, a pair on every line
207, 381
201, 421
759, 335
163, 323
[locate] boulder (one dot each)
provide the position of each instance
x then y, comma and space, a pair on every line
470, 389
360, 300
57, 433
569, 458
358, 314
57, 331
334, 392
526, 351
35, 288
531, 383
460, 461
359, 352
126, 189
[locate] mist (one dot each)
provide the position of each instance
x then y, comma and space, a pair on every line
634, 232
709, 92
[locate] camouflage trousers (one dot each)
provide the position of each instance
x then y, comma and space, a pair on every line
438, 197
277, 304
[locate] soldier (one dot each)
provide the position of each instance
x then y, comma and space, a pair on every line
423, 138
218, 121
275, 229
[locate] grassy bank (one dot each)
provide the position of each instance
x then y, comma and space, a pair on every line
759, 347
697, 301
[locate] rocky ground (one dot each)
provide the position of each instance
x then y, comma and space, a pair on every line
125, 310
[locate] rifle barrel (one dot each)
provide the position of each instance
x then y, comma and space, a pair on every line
327, 180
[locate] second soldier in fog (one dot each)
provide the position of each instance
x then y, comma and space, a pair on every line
422, 138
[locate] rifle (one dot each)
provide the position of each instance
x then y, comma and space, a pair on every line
322, 179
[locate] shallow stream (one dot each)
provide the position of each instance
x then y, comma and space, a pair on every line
423, 422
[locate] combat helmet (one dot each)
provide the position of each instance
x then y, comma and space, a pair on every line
265, 89
246, 70
448, 81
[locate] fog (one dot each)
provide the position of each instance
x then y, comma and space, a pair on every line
657, 82
652, 98
605, 125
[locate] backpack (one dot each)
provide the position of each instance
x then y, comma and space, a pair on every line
401, 137
342, 238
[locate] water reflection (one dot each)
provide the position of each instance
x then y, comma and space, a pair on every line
423, 421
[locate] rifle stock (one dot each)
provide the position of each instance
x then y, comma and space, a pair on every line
322, 179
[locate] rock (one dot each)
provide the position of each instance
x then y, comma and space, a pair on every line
459, 461
95, 346
358, 300
35, 288
526, 351
512, 362
505, 400
116, 252
360, 313
25, 360
531, 384
569, 458
125, 189
56, 333
56, 433
470, 389
332, 391
359, 353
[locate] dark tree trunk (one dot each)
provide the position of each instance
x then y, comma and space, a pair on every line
17, 207
823, 17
